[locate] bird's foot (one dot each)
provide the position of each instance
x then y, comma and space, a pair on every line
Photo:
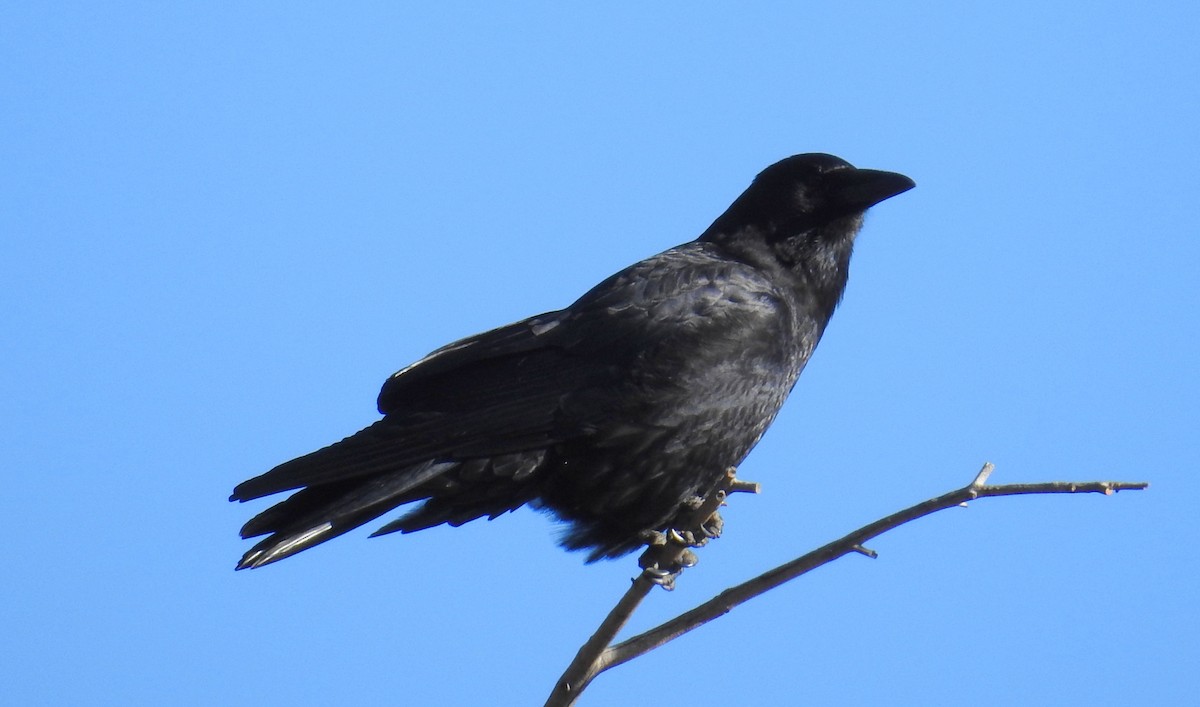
671, 552
663, 572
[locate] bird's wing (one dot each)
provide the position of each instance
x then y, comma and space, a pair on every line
489, 394
464, 375
612, 354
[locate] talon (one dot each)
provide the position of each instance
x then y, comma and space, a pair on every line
679, 537
713, 526
687, 558
661, 577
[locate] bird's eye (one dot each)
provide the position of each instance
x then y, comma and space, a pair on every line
803, 199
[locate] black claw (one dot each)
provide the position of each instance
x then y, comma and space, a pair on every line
713, 526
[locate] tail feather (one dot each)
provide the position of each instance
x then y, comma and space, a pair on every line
477, 488
321, 513
372, 450
301, 504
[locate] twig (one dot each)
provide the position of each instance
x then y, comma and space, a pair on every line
594, 658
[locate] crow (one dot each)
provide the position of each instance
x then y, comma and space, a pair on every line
614, 413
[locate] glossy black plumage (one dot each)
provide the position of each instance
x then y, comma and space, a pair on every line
613, 412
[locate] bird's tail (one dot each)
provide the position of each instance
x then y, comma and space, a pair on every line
322, 512
370, 473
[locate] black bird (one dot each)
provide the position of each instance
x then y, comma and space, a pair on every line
614, 412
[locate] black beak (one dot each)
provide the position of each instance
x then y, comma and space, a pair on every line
854, 190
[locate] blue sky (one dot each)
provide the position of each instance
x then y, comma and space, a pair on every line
224, 226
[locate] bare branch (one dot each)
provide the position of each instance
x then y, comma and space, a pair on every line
728, 599
739, 486
982, 477
594, 658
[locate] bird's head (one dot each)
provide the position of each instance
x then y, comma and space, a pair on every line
801, 204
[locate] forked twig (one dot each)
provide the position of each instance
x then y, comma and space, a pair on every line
597, 655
